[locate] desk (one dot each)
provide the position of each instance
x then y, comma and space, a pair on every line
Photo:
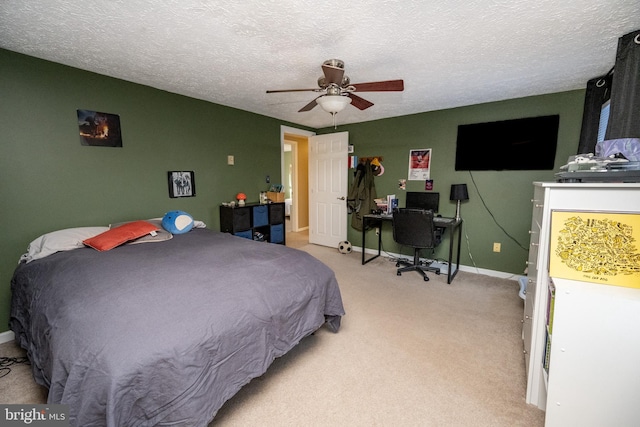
450, 224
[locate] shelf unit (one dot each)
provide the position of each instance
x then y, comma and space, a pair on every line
265, 222
542, 387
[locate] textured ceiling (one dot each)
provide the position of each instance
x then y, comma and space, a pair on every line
449, 53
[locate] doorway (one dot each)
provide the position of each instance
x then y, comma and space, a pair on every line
314, 176
295, 179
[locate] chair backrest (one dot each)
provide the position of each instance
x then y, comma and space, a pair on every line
414, 227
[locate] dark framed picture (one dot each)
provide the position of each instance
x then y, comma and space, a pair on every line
99, 129
181, 184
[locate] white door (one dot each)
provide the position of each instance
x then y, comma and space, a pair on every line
328, 184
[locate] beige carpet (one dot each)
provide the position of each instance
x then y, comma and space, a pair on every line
409, 353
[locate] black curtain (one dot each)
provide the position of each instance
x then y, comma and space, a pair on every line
598, 92
622, 86
624, 119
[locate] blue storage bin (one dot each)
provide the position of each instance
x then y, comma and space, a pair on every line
260, 216
246, 234
277, 233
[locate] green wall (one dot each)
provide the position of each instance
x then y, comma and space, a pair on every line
50, 181
503, 195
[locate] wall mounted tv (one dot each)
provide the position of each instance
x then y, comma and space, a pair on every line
520, 144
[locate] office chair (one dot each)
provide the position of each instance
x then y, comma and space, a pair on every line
414, 227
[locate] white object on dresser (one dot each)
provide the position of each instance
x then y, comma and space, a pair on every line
549, 196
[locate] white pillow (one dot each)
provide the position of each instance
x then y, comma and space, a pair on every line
61, 240
199, 224
196, 223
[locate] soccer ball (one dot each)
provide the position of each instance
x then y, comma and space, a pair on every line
344, 247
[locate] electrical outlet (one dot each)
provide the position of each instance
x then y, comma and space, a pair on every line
231, 160
377, 231
268, 179
496, 247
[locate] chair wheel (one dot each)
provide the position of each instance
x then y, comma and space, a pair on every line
399, 274
438, 273
397, 264
426, 279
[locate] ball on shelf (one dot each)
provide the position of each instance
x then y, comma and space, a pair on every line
345, 247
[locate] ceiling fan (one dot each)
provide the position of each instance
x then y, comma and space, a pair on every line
339, 91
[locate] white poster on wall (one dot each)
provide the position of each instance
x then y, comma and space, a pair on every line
419, 164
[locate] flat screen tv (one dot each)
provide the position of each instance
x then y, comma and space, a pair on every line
423, 200
520, 144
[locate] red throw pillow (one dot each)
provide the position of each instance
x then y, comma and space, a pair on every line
119, 235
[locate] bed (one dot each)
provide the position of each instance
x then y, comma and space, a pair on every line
165, 333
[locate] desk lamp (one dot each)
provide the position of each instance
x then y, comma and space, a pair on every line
458, 194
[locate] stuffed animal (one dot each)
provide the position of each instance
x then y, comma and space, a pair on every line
177, 222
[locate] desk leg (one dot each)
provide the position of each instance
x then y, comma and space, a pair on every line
451, 273
459, 246
364, 233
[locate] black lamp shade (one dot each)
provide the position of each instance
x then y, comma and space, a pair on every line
459, 192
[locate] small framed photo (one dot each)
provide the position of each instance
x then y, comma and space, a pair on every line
181, 184
428, 184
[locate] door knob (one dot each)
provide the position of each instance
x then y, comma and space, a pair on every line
341, 198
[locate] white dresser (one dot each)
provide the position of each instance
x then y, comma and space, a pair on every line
590, 359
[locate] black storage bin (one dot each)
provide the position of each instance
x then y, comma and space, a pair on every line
242, 219
276, 213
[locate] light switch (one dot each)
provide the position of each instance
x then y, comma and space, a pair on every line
230, 160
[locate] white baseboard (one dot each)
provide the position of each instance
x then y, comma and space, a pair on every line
6, 337
443, 265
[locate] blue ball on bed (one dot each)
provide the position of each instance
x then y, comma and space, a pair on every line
177, 222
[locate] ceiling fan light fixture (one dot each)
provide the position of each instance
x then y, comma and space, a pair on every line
333, 104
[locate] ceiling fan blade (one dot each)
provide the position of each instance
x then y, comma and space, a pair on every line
310, 106
383, 86
292, 90
332, 74
359, 103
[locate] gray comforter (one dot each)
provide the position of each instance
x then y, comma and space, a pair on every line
164, 333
